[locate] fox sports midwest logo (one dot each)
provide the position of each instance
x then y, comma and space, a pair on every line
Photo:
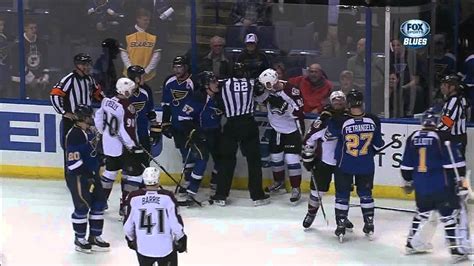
415, 33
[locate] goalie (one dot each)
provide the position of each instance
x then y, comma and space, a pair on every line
430, 168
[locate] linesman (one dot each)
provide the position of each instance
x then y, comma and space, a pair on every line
455, 111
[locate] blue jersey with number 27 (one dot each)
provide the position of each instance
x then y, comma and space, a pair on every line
358, 136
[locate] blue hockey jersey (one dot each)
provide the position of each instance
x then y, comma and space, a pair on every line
175, 94
203, 111
358, 136
142, 101
427, 157
80, 153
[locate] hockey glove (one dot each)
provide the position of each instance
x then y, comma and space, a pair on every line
155, 133
278, 103
181, 245
131, 244
259, 89
408, 187
167, 130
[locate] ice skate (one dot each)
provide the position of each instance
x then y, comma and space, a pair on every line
218, 200
349, 226
265, 199
340, 229
308, 220
276, 187
295, 195
82, 245
369, 231
98, 244
425, 248
457, 256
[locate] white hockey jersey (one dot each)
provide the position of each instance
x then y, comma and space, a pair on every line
116, 121
316, 141
292, 118
153, 221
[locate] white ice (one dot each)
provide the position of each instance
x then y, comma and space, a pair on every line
36, 230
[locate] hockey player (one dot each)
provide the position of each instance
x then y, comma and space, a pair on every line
148, 129
318, 155
358, 135
201, 120
177, 90
427, 167
285, 115
116, 121
153, 226
84, 183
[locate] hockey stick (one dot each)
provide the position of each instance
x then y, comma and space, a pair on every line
319, 196
209, 202
385, 147
462, 200
388, 208
182, 172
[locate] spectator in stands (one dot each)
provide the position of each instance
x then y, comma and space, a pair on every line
36, 71
398, 97
252, 12
315, 88
357, 63
406, 67
104, 71
215, 60
105, 13
141, 46
5, 67
281, 70
253, 59
444, 62
346, 82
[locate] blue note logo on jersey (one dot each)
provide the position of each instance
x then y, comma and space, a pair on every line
414, 32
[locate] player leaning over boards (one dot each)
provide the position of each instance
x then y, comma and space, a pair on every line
116, 121
428, 168
358, 135
84, 184
285, 115
153, 226
318, 155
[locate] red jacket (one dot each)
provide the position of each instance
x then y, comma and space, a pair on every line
313, 97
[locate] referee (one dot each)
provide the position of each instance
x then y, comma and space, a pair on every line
455, 111
240, 130
75, 89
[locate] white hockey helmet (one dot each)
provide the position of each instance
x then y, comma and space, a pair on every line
151, 176
125, 86
336, 94
268, 78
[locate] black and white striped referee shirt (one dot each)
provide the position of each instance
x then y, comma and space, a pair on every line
238, 98
72, 91
454, 115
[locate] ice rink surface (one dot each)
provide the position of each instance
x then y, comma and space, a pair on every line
36, 230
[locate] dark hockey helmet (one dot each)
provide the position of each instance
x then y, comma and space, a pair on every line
430, 118
355, 98
134, 72
238, 70
82, 59
112, 45
180, 61
205, 78
83, 113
